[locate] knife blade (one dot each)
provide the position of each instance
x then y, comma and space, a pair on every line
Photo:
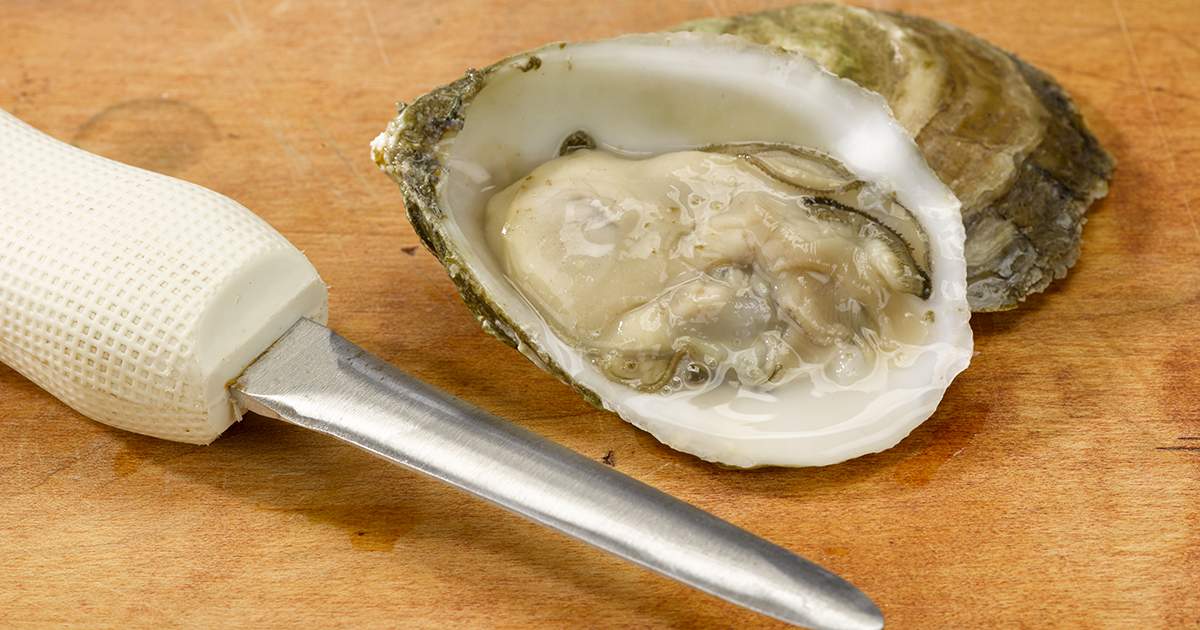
315, 379
138, 299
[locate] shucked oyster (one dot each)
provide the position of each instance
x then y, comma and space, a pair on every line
1000, 133
754, 262
721, 242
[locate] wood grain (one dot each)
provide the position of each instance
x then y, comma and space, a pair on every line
1058, 485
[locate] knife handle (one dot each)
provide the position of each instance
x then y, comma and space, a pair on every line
133, 297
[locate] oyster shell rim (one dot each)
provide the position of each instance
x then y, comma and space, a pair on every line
406, 150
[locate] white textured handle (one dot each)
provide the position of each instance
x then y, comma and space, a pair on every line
133, 297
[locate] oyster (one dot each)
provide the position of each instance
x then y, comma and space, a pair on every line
722, 243
1003, 135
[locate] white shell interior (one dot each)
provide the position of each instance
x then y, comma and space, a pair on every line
668, 92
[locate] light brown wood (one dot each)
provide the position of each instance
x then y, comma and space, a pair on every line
1058, 485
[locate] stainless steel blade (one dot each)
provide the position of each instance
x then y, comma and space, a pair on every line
316, 379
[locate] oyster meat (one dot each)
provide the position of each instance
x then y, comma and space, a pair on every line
1003, 135
719, 241
723, 262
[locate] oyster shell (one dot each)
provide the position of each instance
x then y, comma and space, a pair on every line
568, 190
1003, 135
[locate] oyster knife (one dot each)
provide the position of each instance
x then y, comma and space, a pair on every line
161, 307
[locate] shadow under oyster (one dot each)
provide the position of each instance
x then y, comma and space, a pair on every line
1003, 135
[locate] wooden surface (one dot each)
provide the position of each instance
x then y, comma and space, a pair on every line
1058, 485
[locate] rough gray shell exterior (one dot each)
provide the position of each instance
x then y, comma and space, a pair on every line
1000, 133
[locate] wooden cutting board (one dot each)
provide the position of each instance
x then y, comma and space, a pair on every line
1059, 483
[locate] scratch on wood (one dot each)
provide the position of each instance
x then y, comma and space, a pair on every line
267, 119
1182, 448
242, 13
342, 253
337, 150
1158, 127
660, 469
295, 158
67, 463
1179, 39
1060, 69
241, 22
366, 4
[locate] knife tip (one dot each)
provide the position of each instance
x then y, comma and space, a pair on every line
812, 597
854, 612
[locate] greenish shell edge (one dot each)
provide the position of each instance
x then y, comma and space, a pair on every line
409, 157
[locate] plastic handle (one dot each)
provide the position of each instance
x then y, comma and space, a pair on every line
133, 297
